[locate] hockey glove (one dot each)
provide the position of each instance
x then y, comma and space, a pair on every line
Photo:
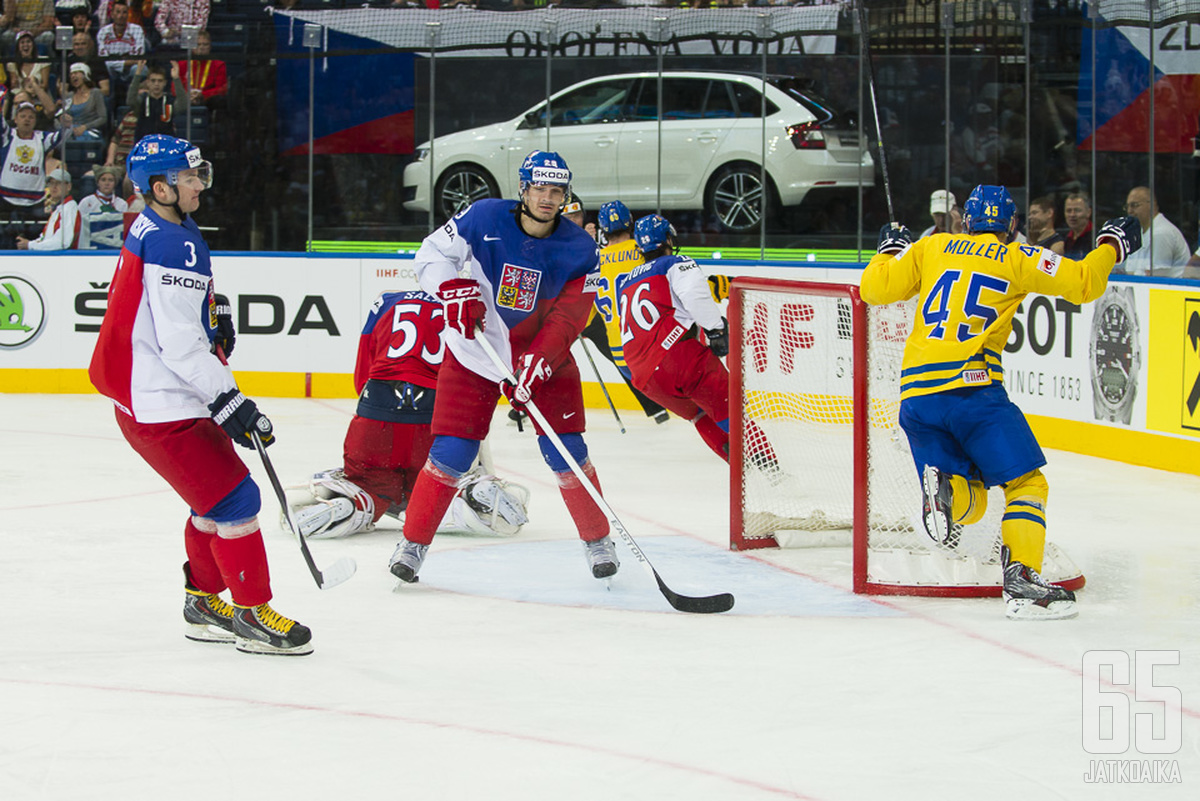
532, 371
238, 415
463, 301
718, 339
893, 238
1123, 233
226, 335
718, 286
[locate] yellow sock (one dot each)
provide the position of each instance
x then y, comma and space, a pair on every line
1023, 528
969, 500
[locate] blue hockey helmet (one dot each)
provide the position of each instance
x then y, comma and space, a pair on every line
544, 167
652, 232
614, 216
159, 154
988, 208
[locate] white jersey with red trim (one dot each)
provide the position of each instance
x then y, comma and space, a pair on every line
659, 302
66, 229
153, 357
23, 177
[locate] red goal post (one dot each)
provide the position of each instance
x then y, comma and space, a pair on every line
817, 457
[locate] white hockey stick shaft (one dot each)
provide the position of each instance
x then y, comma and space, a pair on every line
716, 603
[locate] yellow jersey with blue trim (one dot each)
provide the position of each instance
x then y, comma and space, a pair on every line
968, 288
615, 261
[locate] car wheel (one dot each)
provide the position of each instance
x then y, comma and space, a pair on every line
460, 186
737, 198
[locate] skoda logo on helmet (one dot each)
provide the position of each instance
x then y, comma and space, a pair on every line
551, 175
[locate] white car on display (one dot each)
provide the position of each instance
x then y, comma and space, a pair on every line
713, 142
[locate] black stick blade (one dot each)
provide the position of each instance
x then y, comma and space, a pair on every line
706, 605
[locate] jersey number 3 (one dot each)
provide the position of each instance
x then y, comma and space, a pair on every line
938, 308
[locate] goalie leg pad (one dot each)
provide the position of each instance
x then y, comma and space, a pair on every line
489, 505
342, 508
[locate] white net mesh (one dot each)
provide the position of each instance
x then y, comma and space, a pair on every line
797, 360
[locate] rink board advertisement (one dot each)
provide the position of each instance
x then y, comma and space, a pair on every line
1099, 378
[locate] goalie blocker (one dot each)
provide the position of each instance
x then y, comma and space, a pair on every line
332, 507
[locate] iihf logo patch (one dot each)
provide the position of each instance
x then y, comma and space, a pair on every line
518, 288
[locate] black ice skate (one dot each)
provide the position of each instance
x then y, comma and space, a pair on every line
602, 557
937, 516
209, 618
407, 559
1027, 596
262, 630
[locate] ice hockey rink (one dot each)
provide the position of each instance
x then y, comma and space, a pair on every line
508, 672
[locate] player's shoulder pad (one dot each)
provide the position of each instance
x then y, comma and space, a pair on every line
175, 247
681, 263
1042, 259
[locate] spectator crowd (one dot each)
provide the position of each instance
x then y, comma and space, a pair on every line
68, 118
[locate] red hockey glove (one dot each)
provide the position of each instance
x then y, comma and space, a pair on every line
463, 301
532, 371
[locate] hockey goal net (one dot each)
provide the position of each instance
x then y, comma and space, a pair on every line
817, 456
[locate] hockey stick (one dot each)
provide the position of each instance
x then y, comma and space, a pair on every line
722, 602
603, 387
333, 575
866, 46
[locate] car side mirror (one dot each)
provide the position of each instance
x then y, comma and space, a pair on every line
533, 119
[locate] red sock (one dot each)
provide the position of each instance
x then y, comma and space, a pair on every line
712, 434
243, 564
431, 497
589, 519
202, 565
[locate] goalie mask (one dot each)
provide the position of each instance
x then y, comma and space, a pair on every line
339, 508
490, 506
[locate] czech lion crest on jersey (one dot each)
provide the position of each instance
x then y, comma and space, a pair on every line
518, 288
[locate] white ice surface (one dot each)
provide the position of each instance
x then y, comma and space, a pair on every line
509, 673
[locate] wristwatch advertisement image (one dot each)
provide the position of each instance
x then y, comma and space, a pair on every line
1115, 355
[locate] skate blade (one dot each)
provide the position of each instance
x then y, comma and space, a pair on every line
202, 632
248, 646
1026, 609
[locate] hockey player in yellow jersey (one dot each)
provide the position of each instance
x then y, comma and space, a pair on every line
964, 432
617, 257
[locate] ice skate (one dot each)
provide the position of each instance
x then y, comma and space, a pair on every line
209, 618
937, 515
262, 630
407, 560
602, 557
1027, 596
768, 465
